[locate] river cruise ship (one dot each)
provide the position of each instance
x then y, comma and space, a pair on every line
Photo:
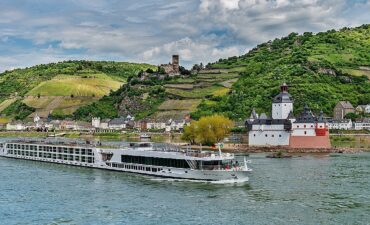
161, 160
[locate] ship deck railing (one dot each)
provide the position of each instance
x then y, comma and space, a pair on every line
223, 168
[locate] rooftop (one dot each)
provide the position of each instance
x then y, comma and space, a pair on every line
283, 96
346, 104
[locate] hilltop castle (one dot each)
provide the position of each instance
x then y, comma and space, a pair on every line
173, 68
283, 129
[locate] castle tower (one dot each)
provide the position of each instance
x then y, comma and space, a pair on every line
176, 63
282, 104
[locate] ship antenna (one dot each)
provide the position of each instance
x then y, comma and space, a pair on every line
219, 149
245, 164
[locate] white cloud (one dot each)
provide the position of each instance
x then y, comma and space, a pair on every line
230, 4
153, 30
191, 51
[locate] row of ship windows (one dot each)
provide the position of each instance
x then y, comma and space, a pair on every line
53, 149
135, 167
52, 156
178, 163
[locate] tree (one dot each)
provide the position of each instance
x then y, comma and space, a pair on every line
208, 130
352, 116
149, 70
161, 70
190, 133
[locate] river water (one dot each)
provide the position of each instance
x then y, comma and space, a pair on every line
312, 189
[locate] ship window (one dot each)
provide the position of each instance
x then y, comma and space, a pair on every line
154, 170
179, 163
305, 132
304, 126
254, 135
279, 135
265, 135
297, 126
272, 135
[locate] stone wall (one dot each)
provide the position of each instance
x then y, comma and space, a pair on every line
310, 142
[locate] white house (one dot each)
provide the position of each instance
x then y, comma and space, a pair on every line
68, 125
104, 124
345, 124
363, 108
56, 124
175, 125
95, 122
156, 125
117, 123
363, 124
15, 126
36, 120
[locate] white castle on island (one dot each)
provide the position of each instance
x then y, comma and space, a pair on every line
283, 129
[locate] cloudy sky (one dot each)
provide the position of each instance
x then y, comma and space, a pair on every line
42, 31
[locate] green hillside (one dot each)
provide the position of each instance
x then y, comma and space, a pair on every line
67, 85
161, 99
320, 69
62, 87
